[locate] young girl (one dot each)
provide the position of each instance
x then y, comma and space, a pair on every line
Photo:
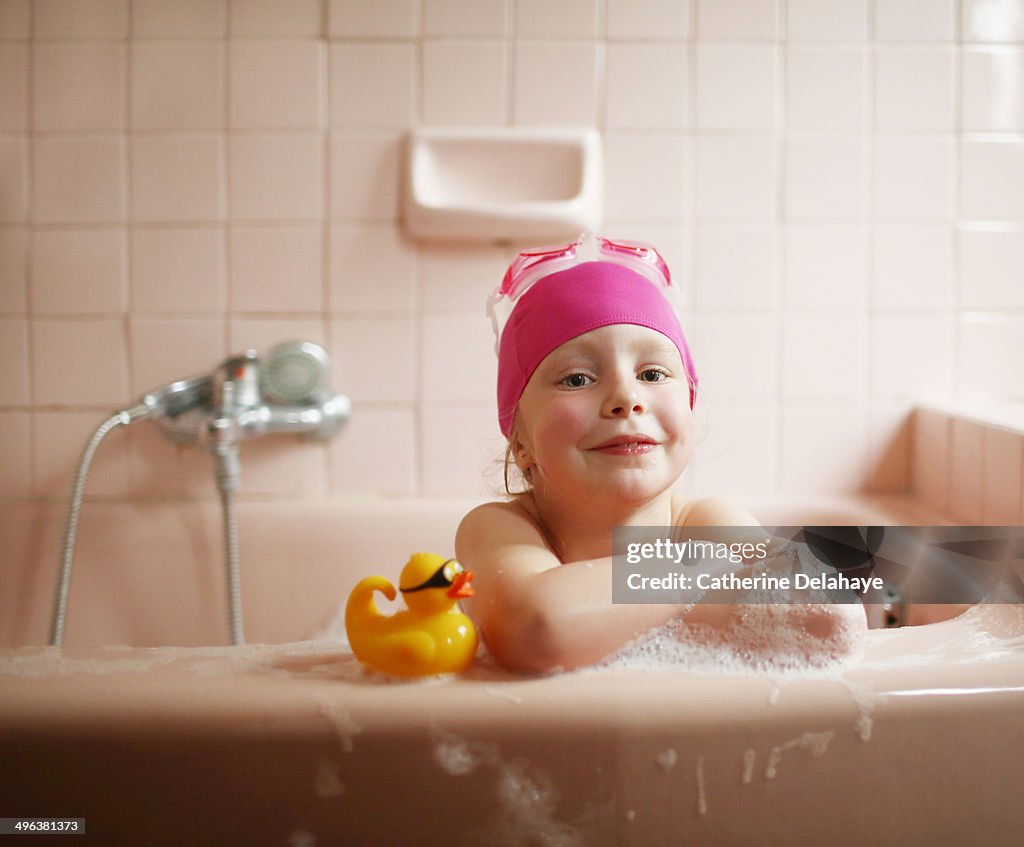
595, 393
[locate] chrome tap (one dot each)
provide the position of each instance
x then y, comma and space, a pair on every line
246, 396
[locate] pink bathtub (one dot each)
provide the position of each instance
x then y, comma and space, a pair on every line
288, 742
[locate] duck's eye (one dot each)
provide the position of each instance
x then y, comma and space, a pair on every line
451, 570
576, 380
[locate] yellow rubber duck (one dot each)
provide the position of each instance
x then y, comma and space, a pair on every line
430, 636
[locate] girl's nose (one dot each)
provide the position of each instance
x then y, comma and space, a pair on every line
623, 400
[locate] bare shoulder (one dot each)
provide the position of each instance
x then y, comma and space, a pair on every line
711, 511
502, 534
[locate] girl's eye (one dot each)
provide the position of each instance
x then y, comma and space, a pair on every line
576, 380
653, 375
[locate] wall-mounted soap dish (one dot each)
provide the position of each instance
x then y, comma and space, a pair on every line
506, 183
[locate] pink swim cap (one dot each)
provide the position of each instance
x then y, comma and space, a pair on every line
568, 303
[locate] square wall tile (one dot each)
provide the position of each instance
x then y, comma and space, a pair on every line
78, 86
290, 465
78, 179
737, 357
822, 356
16, 468
372, 269
913, 267
561, 19
931, 462
992, 179
276, 84
280, 18
364, 173
15, 388
457, 362
179, 270
738, 453
166, 350
1002, 495
60, 438
574, 65
823, 449
825, 179
991, 92
736, 268
983, 21
466, 18
15, 169
198, 19
79, 363
965, 499
75, 19
177, 85
914, 89
737, 86
987, 342
14, 249
461, 451
161, 468
826, 88
177, 178
915, 20
457, 277
79, 271
914, 179
644, 176
380, 19
260, 334
277, 269
990, 263
464, 82
14, 86
839, 20
912, 357
642, 19
826, 266
16, 19
374, 359
737, 20
646, 86
375, 453
373, 85
277, 177
735, 178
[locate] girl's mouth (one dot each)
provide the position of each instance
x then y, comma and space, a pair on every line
625, 445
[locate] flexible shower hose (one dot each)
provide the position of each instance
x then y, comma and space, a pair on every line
227, 483
60, 603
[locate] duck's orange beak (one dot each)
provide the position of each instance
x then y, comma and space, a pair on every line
461, 587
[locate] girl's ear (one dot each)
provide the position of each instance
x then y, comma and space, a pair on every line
522, 455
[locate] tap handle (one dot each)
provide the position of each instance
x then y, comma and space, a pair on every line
296, 373
237, 383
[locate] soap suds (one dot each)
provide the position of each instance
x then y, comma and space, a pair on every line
526, 798
749, 758
667, 759
341, 720
816, 742
702, 800
328, 782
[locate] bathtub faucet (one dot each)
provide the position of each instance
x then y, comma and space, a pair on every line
244, 397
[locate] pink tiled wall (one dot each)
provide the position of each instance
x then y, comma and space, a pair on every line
838, 185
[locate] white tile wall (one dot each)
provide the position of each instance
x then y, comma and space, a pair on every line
838, 187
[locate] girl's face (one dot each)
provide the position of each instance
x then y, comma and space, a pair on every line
606, 414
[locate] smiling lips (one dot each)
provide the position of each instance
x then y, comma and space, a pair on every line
625, 445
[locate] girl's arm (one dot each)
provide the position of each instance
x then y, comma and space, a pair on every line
536, 614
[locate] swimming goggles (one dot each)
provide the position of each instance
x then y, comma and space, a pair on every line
539, 262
